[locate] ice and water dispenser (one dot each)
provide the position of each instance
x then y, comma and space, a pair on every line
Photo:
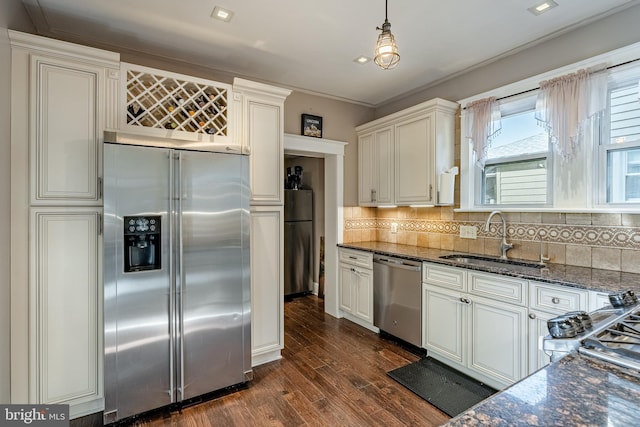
142, 241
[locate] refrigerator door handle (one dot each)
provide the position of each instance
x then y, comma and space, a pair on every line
179, 275
173, 320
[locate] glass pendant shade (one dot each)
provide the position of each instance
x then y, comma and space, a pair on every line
387, 55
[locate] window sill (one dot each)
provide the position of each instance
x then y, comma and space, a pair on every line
635, 210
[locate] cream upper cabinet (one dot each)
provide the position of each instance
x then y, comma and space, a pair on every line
263, 135
421, 143
414, 168
64, 96
375, 168
72, 99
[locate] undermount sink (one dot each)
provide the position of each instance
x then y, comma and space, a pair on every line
490, 262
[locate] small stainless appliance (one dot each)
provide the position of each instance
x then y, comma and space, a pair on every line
397, 297
298, 242
177, 305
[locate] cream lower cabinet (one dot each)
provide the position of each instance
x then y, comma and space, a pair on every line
356, 286
445, 319
547, 301
65, 306
267, 284
483, 337
497, 340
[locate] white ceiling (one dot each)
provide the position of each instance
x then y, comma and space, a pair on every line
311, 46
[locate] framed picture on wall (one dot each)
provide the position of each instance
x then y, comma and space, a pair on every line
311, 126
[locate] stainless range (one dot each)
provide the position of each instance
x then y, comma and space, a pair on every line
614, 335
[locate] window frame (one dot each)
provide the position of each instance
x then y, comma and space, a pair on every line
627, 75
520, 104
576, 187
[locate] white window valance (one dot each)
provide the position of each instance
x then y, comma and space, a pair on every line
565, 105
484, 123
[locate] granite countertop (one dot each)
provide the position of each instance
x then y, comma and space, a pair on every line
575, 391
567, 275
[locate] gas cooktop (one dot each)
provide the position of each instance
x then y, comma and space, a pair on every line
614, 334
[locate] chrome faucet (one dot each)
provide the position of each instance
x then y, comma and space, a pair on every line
504, 246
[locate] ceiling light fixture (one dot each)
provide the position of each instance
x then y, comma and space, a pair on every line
222, 14
362, 59
540, 8
387, 55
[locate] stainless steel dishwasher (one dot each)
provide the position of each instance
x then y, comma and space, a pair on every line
397, 297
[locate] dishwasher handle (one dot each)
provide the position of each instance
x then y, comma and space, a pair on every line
398, 263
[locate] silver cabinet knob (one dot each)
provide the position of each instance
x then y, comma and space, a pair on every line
555, 300
532, 316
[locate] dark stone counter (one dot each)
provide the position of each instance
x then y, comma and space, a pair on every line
567, 275
575, 391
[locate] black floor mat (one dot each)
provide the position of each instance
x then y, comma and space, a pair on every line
445, 388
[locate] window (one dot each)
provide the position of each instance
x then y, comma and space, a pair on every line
517, 168
524, 171
620, 139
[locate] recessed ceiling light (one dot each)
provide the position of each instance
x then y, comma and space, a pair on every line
543, 7
362, 59
222, 14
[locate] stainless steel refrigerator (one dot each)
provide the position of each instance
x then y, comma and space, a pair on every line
176, 275
298, 241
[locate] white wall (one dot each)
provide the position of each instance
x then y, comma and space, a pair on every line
13, 16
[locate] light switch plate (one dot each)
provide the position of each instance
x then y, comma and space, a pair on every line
394, 227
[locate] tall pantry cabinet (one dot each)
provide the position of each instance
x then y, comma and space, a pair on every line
261, 130
63, 98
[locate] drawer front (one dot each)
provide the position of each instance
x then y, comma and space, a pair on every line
359, 258
502, 288
441, 275
558, 299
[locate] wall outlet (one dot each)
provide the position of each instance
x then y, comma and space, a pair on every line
468, 232
394, 227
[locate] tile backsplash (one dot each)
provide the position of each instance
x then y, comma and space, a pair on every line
606, 241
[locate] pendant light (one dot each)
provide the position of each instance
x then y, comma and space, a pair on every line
387, 55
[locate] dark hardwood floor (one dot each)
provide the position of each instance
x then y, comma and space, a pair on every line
333, 373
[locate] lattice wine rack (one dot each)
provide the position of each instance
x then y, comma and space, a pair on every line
158, 101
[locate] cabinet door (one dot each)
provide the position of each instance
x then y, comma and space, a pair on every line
498, 339
363, 286
444, 322
66, 308
346, 287
414, 163
383, 172
267, 283
264, 139
65, 132
537, 330
375, 168
366, 186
